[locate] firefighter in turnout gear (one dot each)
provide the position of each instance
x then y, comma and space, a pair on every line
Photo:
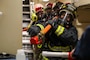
39, 12
61, 37
48, 12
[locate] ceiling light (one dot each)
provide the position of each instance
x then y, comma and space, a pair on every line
45, 0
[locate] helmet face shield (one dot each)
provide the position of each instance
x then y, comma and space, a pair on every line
65, 15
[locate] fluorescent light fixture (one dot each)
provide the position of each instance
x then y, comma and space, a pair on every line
45, 0
23, 0
1, 13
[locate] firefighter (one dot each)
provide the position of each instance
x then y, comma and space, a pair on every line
35, 16
57, 7
39, 12
62, 37
48, 11
34, 19
82, 50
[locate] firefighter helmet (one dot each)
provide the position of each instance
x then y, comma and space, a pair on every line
72, 8
48, 6
66, 17
58, 5
38, 9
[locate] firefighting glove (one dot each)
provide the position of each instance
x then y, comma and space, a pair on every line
33, 30
56, 26
51, 22
59, 21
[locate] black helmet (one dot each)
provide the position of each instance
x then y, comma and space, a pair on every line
64, 13
65, 17
48, 6
57, 5
71, 8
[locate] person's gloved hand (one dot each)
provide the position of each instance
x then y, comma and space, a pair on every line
51, 22
59, 21
56, 26
33, 30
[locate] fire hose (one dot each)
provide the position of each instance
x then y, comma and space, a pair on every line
57, 54
35, 40
38, 38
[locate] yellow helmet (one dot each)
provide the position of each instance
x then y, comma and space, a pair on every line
34, 17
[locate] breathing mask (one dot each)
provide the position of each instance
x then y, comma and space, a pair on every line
65, 17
